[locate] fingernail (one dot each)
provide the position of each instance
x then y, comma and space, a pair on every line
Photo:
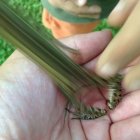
106, 71
119, 6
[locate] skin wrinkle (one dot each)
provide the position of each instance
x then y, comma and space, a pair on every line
83, 130
67, 123
58, 122
71, 127
63, 129
122, 126
96, 125
109, 130
69, 119
56, 130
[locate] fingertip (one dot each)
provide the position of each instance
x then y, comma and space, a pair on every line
105, 70
114, 21
108, 32
115, 18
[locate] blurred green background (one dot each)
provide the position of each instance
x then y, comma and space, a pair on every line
33, 9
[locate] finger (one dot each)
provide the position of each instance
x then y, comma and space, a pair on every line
121, 12
91, 65
124, 48
127, 108
131, 81
126, 129
89, 45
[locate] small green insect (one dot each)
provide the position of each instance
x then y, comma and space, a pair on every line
84, 112
87, 112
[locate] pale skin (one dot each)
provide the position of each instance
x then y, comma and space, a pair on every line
125, 47
32, 107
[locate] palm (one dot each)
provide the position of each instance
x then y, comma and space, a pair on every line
36, 107
32, 107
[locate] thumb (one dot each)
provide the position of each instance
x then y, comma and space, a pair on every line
88, 45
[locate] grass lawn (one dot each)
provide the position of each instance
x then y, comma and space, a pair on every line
32, 9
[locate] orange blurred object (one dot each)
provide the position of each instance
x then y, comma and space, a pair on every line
61, 29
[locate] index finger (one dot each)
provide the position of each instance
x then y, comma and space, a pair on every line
124, 48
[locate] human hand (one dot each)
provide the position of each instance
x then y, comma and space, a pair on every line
32, 107
125, 47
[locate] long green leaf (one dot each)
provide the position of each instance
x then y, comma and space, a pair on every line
35, 43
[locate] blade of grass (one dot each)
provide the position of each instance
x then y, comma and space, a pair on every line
44, 50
